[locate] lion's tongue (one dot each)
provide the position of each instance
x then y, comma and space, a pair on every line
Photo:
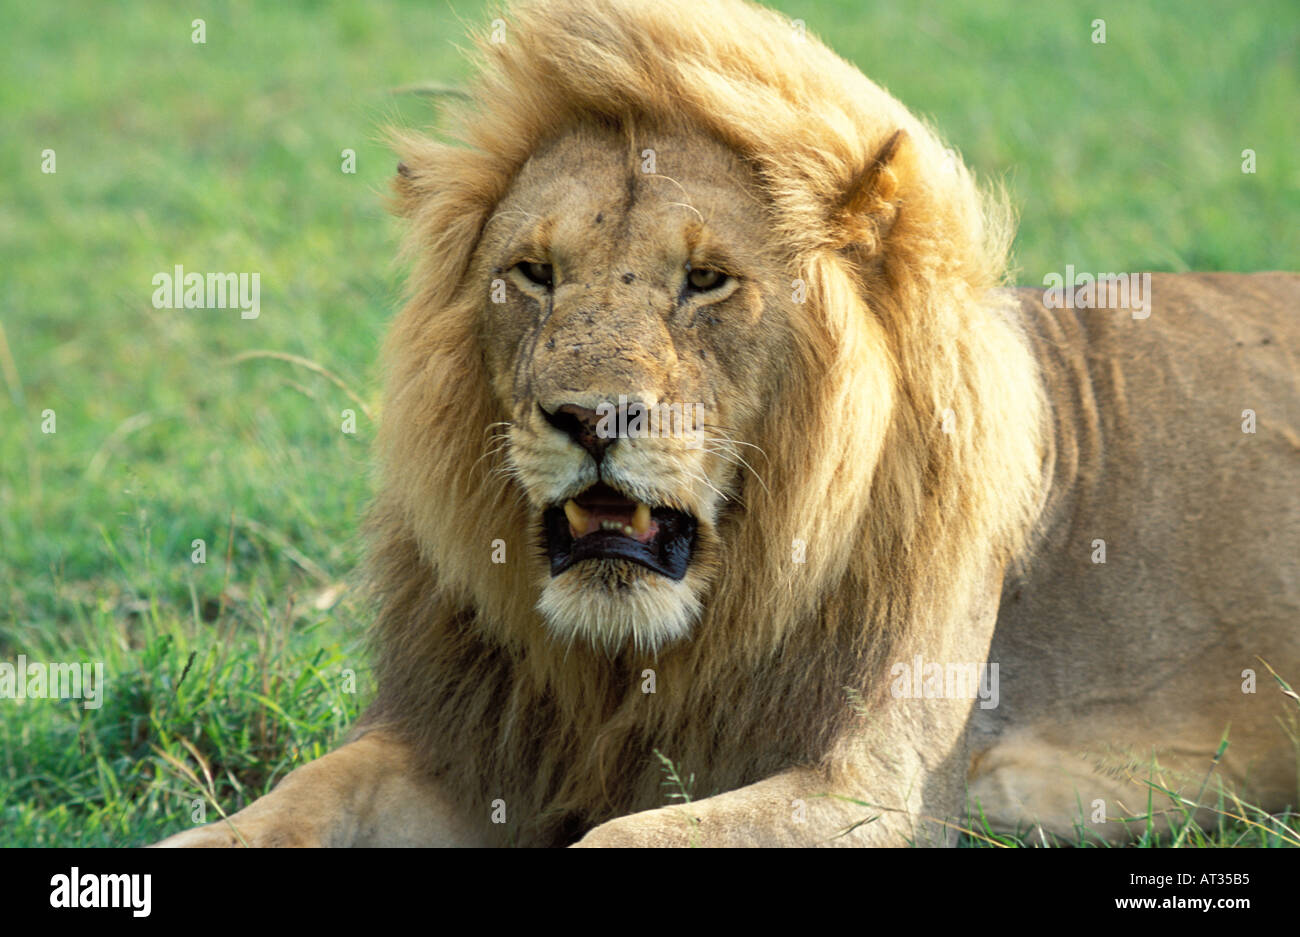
601, 524
616, 514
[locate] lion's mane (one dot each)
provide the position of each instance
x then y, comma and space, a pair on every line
914, 464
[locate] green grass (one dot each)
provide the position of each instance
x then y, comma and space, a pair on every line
226, 156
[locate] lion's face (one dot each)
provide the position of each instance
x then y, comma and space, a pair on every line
631, 329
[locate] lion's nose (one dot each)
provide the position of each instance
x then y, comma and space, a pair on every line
583, 427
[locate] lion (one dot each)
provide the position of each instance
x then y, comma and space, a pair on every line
856, 586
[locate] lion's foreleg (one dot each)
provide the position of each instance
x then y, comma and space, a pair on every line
366, 793
899, 781
794, 808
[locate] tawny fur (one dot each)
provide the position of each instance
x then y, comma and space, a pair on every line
899, 255
919, 430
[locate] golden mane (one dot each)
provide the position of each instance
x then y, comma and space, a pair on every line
917, 465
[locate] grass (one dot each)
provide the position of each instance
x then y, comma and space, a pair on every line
174, 426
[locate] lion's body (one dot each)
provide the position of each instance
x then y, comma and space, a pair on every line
891, 433
1105, 665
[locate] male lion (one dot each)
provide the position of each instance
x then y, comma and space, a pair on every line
687, 208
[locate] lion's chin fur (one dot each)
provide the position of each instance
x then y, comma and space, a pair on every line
645, 613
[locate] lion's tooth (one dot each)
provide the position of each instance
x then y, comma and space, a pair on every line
641, 519
628, 531
577, 518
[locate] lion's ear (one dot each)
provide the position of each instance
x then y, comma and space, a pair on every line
404, 190
866, 211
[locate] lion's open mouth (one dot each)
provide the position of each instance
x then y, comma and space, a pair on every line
603, 524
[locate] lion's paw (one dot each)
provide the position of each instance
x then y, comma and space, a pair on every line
659, 828
233, 834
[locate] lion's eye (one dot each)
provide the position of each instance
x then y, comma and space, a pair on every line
541, 274
702, 279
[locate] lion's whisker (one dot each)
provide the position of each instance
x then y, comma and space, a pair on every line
735, 458
488, 454
704, 481
689, 207
721, 433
